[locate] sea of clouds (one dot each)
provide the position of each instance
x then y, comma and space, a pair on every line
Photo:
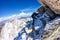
22, 14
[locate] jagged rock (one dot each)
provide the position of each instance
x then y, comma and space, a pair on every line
52, 30
53, 4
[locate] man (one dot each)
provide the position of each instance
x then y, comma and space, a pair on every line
44, 15
40, 19
36, 27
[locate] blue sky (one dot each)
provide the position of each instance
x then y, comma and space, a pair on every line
10, 7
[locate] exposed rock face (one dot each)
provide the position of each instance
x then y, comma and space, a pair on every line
53, 4
52, 31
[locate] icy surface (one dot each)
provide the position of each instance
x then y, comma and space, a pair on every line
11, 28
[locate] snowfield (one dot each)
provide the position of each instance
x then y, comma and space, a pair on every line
11, 28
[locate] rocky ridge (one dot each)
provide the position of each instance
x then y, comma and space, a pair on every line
52, 30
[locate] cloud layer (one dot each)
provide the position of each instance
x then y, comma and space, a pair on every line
22, 14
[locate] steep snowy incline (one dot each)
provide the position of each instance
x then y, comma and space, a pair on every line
11, 28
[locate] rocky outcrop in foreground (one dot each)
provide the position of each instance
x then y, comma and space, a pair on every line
53, 4
52, 30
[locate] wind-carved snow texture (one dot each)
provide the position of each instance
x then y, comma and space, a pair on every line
11, 28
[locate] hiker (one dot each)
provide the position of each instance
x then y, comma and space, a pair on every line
45, 14
36, 27
40, 19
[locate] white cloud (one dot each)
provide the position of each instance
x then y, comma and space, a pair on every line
22, 14
29, 9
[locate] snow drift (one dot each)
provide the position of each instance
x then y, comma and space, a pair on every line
12, 25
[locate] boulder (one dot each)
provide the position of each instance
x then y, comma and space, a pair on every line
53, 4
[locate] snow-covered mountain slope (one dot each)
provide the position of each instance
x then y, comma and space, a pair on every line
11, 28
